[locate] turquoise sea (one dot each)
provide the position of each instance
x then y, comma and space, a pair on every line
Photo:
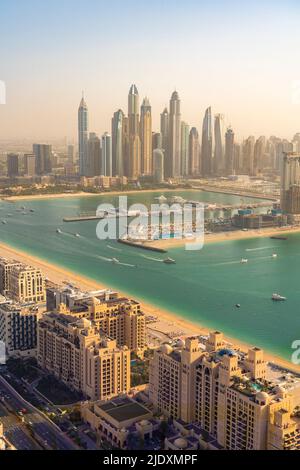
203, 286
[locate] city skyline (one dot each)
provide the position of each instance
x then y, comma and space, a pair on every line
215, 61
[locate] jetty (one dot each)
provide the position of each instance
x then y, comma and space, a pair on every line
143, 246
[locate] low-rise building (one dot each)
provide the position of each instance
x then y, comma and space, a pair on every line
122, 422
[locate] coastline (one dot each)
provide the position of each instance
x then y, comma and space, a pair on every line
167, 319
33, 197
226, 236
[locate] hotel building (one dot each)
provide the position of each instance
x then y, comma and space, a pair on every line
75, 353
290, 185
118, 318
227, 394
18, 328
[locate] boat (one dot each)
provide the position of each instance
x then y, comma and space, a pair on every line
238, 305
31, 210
278, 297
169, 261
4, 222
58, 230
274, 255
76, 235
244, 260
278, 238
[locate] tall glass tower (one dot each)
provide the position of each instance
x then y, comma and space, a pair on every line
83, 137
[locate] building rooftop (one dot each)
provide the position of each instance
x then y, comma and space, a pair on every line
124, 409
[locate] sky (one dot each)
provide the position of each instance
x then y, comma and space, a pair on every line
240, 57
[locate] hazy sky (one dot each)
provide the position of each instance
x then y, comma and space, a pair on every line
240, 57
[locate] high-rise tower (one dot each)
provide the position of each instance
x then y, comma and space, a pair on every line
206, 150
219, 164
175, 136
185, 142
134, 159
118, 143
83, 137
164, 130
146, 138
194, 153
229, 152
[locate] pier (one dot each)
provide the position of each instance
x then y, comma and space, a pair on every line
141, 245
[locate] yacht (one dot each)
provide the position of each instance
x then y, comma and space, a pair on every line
4, 222
58, 230
244, 260
274, 255
77, 235
169, 261
278, 297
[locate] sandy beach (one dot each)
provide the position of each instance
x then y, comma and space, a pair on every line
167, 321
226, 236
84, 194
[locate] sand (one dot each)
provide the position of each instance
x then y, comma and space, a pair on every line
168, 321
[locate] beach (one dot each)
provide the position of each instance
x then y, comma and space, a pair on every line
167, 320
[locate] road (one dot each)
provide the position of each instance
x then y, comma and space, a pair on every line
15, 431
44, 431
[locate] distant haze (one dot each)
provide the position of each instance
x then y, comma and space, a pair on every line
242, 58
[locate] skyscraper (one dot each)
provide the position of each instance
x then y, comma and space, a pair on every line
134, 137
158, 165
164, 130
194, 152
146, 138
29, 164
290, 183
83, 137
206, 148
12, 165
185, 141
118, 143
248, 155
229, 152
93, 162
106, 155
43, 158
174, 148
219, 164
259, 153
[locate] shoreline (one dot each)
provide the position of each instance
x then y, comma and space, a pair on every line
226, 236
59, 274
33, 197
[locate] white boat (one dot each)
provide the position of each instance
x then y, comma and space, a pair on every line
4, 222
169, 261
77, 235
244, 260
278, 297
58, 230
274, 255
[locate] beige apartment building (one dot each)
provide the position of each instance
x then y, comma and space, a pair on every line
120, 319
27, 284
226, 393
6, 266
74, 351
18, 328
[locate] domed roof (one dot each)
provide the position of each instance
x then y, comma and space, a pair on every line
180, 343
175, 96
262, 396
166, 348
181, 443
281, 392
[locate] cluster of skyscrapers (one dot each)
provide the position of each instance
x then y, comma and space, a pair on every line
133, 149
